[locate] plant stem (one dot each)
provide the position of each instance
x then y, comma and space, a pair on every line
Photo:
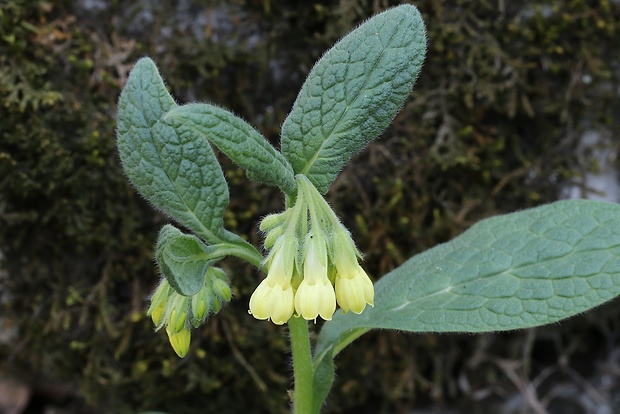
302, 366
245, 252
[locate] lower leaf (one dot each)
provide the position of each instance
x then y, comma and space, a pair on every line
514, 271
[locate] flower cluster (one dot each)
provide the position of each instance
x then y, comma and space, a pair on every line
312, 263
178, 313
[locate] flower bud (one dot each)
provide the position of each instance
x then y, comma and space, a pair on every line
216, 305
201, 304
272, 221
158, 314
160, 296
219, 284
272, 236
222, 290
178, 314
180, 341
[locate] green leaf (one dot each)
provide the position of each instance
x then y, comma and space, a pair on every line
238, 140
177, 171
515, 271
183, 259
322, 380
353, 93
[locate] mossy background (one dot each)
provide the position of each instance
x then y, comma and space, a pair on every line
495, 124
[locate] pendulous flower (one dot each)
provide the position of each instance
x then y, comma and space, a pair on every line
354, 289
274, 297
315, 295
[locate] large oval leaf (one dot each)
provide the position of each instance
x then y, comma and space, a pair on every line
353, 93
515, 271
177, 171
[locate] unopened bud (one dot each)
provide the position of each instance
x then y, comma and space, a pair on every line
180, 341
158, 314
272, 236
222, 290
216, 305
272, 221
160, 296
201, 303
178, 314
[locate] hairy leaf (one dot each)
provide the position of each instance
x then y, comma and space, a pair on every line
515, 271
353, 93
176, 170
238, 140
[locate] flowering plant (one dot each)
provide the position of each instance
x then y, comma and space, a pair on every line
514, 271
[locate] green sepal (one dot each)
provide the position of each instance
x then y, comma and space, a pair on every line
238, 140
353, 93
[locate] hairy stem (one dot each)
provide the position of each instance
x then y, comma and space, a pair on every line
302, 366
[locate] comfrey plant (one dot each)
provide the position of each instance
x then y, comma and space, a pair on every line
514, 271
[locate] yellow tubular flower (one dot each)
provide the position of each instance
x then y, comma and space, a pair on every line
354, 289
272, 301
274, 297
315, 295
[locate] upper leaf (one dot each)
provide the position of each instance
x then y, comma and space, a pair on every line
176, 170
238, 140
353, 93
514, 271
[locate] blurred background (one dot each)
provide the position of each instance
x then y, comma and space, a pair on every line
518, 104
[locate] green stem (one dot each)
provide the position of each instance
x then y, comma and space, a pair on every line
243, 251
302, 366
